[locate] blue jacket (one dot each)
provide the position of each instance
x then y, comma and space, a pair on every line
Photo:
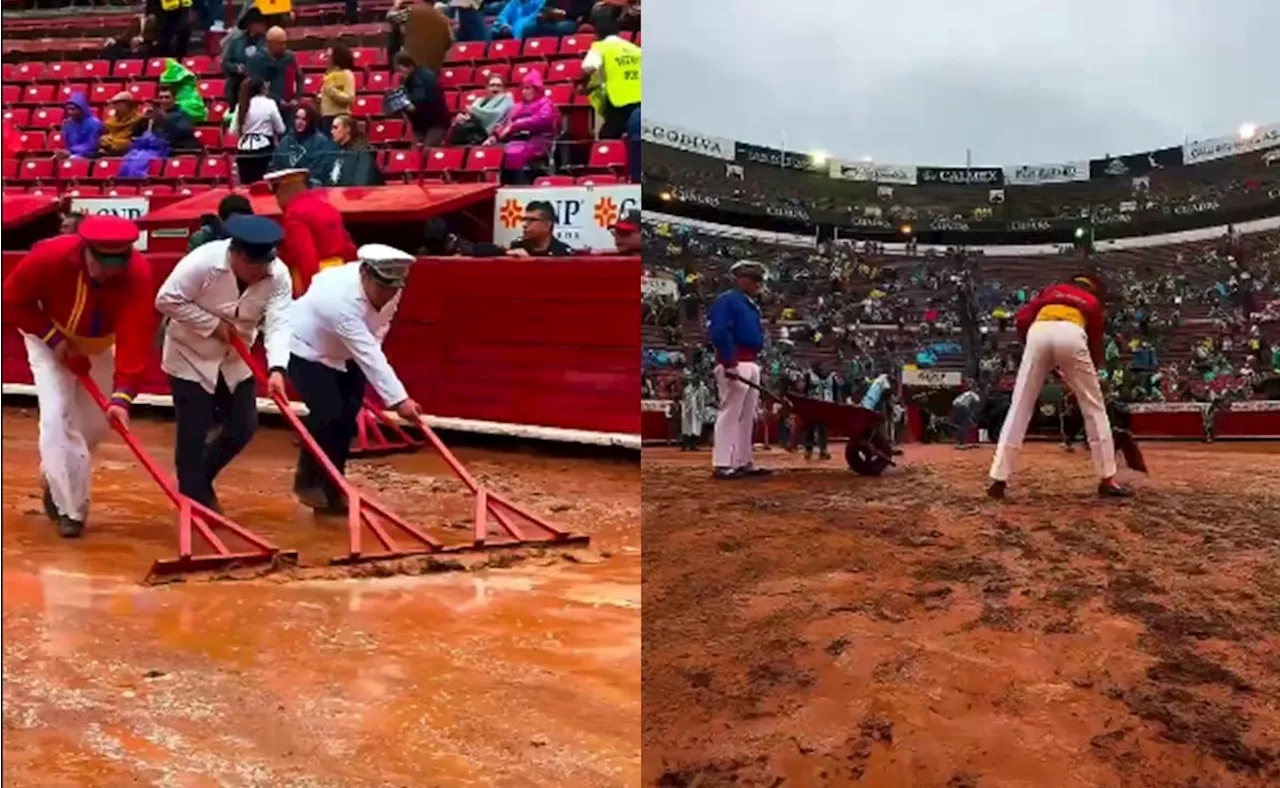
733, 325
521, 16
81, 137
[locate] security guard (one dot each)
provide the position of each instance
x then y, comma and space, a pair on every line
222, 289
314, 235
83, 305
338, 326
613, 63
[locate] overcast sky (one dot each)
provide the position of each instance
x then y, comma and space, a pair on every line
918, 81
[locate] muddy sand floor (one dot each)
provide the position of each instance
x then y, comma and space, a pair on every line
820, 629
519, 675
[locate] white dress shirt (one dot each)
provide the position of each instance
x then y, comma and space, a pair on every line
333, 323
202, 291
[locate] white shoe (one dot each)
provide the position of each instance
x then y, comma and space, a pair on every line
218, 27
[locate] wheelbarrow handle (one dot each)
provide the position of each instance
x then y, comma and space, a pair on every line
781, 398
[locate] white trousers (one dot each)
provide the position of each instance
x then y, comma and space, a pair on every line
1056, 343
737, 416
71, 424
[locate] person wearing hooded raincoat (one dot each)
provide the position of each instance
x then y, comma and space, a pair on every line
304, 146
182, 82
80, 128
521, 19
120, 127
529, 132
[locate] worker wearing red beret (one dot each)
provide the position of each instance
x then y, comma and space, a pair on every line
315, 237
75, 298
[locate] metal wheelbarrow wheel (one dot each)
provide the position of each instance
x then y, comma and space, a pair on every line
870, 455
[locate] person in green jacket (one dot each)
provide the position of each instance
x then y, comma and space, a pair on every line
212, 228
182, 82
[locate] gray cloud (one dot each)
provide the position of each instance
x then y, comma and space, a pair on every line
919, 81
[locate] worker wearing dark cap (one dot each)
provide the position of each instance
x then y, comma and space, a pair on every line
338, 327
314, 236
626, 233
75, 298
735, 330
224, 288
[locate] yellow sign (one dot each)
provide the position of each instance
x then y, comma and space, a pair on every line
273, 7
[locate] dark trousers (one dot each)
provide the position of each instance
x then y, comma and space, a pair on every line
616, 121
333, 400
253, 165
197, 460
174, 36
815, 434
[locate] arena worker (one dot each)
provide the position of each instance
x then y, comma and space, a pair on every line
223, 288
82, 302
338, 327
1061, 328
315, 237
735, 332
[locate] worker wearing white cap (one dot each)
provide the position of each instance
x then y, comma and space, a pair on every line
736, 333
338, 328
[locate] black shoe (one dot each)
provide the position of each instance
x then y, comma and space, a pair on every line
725, 474
751, 470
996, 490
312, 497
826, 455
1114, 489
215, 505
50, 508
69, 528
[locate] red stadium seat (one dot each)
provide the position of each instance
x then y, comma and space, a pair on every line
45, 117
43, 191
32, 141
522, 69
500, 70
84, 190
607, 156
367, 107
142, 91
455, 77
368, 57
601, 179
74, 169
576, 44
36, 169
360, 79
201, 65
65, 92
55, 140
310, 59
155, 67
378, 82
39, 95
217, 111
451, 101
102, 92
541, 47
10, 93
29, 71
215, 168
311, 83
96, 69
504, 49
7, 71
63, 70
12, 191
104, 169
9, 169
120, 191
127, 69
181, 168
482, 160
18, 117
445, 160
465, 52
212, 88
554, 180
208, 136
230, 140
468, 97
403, 162
155, 190
564, 71
561, 94
384, 131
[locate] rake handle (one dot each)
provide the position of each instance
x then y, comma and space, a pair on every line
131, 440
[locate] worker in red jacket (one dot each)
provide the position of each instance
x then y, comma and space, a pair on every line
1061, 328
314, 236
74, 298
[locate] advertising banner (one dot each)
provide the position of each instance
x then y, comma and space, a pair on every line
1037, 174
1135, 164
758, 154
584, 214
871, 172
1222, 147
960, 176
131, 208
685, 140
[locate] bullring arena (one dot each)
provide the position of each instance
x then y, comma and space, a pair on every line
474, 647
820, 626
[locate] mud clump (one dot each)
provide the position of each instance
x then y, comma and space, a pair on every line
1187, 720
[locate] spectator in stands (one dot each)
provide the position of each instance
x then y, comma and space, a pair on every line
180, 83
123, 123
304, 146
626, 233
173, 22
356, 163
258, 126
80, 128
134, 42
212, 227
470, 16
611, 74
529, 133
338, 91
173, 121
426, 111
242, 49
476, 123
275, 65
520, 19
538, 238
440, 241
422, 32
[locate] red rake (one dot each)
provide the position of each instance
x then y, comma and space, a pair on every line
378, 435
192, 516
360, 507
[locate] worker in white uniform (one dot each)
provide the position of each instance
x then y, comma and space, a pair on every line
338, 328
219, 290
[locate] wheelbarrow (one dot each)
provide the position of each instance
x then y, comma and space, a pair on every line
868, 451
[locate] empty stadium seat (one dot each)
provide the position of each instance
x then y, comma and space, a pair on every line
46, 117
403, 163
35, 169
84, 190
96, 69
29, 71
576, 44
455, 77
142, 91
32, 141
155, 190
608, 156
201, 65
564, 71
181, 168
484, 160
554, 180
368, 57
212, 88
9, 169
62, 70
378, 82
120, 191
19, 117
384, 131
465, 52
102, 92
127, 69
104, 169
468, 97
541, 47
561, 94
600, 179
217, 111
38, 94
442, 161
367, 106
208, 136
522, 69
65, 92
155, 67
74, 169
504, 49
311, 59
10, 93
500, 70
311, 83
214, 168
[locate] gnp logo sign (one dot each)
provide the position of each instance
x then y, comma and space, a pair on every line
584, 214
131, 208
